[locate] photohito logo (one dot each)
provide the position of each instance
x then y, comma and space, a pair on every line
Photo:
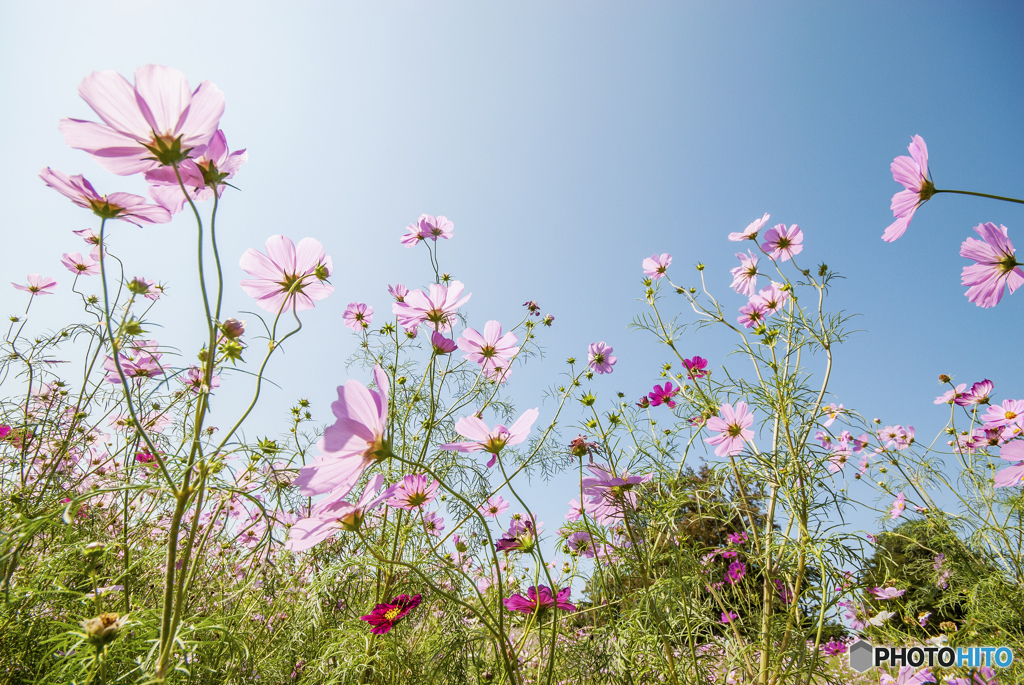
863, 656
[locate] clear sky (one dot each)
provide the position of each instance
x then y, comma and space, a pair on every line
567, 141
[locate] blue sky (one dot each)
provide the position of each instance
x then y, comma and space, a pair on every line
567, 141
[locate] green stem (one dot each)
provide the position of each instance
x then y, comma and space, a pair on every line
991, 197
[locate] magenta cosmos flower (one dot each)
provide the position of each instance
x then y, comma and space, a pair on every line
538, 599
782, 243
156, 122
384, 616
330, 515
354, 442
733, 426
995, 265
437, 307
212, 165
750, 232
912, 173
1012, 475
413, 491
288, 275
492, 349
37, 285
427, 228
484, 439
358, 316
124, 206
696, 367
744, 276
600, 357
663, 395
656, 265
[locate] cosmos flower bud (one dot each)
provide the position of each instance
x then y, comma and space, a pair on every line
104, 628
232, 328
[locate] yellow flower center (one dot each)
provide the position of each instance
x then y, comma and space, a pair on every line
390, 614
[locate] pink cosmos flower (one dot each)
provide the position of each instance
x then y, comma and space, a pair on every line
600, 357
886, 593
951, 396
436, 308
995, 265
898, 506
540, 598
750, 232
287, 276
413, 491
912, 173
664, 395
744, 276
398, 291
441, 344
484, 439
1013, 475
1009, 413
384, 616
896, 437
983, 675
139, 359
490, 350
37, 285
146, 288
358, 316
753, 313
834, 648
79, 265
354, 442
156, 122
733, 426
427, 228
330, 515
210, 167
832, 412
609, 495
908, 675
194, 380
494, 506
978, 394
575, 510
695, 368
433, 524
124, 206
520, 537
782, 243
581, 543
728, 617
771, 298
655, 266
